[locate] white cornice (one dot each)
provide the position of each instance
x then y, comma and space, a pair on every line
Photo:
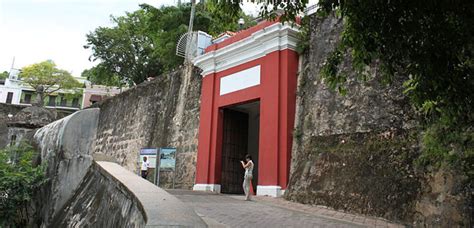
273, 38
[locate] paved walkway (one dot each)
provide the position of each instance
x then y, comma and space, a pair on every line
219, 210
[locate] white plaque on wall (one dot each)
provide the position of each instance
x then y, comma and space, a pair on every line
240, 80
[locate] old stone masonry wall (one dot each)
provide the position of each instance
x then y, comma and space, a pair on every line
357, 152
161, 113
5, 110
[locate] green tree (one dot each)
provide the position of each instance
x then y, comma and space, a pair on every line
18, 181
99, 75
168, 24
4, 75
142, 44
46, 78
268, 8
222, 20
126, 50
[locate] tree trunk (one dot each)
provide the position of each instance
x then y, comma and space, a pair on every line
39, 96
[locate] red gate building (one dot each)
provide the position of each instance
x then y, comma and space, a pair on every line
248, 107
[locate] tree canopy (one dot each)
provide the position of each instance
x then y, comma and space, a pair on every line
126, 49
142, 43
99, 75
268, 8
46, 78
4, 75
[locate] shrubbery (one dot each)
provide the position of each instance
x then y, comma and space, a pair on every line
18, 181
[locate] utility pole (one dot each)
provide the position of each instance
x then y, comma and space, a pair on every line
190, 31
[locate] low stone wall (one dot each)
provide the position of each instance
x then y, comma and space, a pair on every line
357, 152
31, 119
5, 110
160, 208
111, 196
100, 201
160, 113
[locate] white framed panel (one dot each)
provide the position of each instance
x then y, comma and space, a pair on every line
240, 80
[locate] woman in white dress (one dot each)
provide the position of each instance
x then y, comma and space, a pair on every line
248, 166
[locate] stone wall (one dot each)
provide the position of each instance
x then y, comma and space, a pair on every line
65, 150
6, 109
24, 120
100, 201
357, 152
81, 192
161, 113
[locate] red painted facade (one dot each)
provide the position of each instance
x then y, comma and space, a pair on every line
277, 95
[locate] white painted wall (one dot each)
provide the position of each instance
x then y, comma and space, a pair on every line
13, 87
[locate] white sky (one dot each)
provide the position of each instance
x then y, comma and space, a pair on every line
36, 30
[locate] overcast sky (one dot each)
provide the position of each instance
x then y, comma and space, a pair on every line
37, 30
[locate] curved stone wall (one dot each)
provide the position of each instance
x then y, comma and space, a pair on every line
65, 149
100, 201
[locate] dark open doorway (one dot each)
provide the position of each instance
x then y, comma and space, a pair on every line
240, 136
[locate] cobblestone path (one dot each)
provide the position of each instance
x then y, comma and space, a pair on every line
220, 210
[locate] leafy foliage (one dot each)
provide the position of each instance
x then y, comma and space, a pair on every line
126, 49
304, 36
169, 23
4, 75
431, 42
101, 76
224, 18
142, 44
445, 141
46, 78
268, 8
18, 181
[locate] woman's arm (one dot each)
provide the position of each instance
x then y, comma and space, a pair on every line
245, 165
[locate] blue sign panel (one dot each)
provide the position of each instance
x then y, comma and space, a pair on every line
167, 158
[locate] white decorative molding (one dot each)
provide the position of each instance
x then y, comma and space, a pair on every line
260, 43
268, 190
240, 80
207, 187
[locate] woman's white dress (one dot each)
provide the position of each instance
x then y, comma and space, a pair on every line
247, 180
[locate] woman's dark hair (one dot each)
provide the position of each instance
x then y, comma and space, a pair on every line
248, 157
